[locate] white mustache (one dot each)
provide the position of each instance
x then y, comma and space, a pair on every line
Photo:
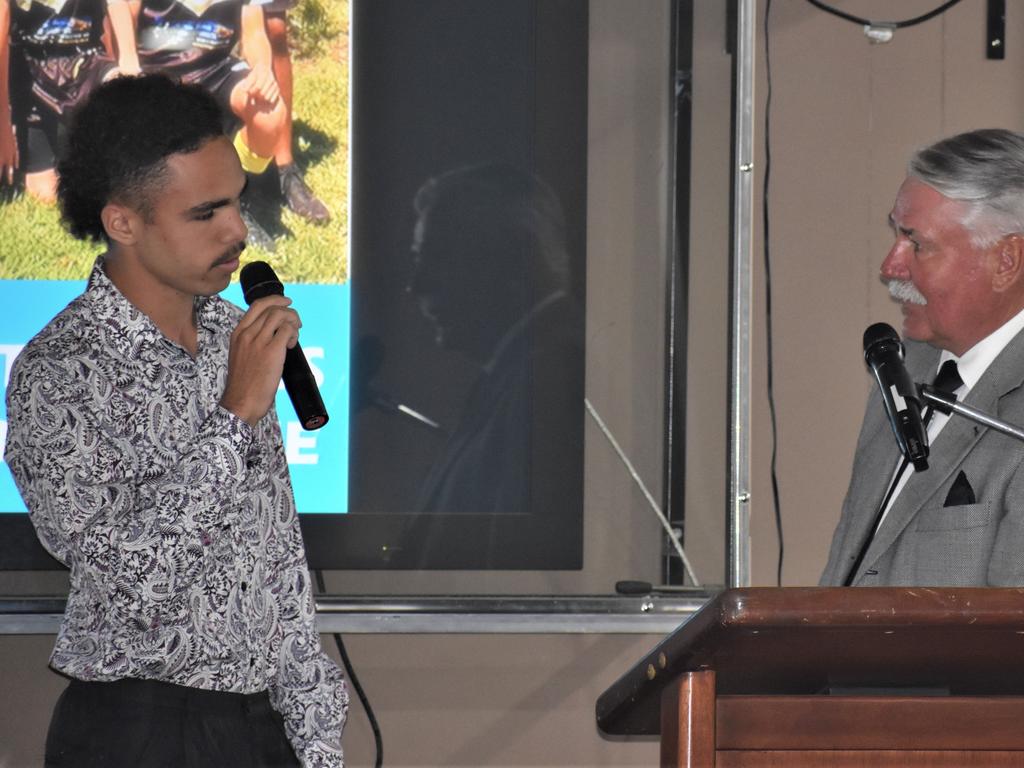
904, 290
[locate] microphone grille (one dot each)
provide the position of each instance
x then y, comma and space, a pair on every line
879, 332
258, 280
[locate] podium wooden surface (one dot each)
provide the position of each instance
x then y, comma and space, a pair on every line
834, 677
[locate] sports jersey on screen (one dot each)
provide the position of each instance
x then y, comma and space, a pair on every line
58, 27
61, 43
187, 37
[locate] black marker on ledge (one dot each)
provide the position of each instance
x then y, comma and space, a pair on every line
258, 280
634, 587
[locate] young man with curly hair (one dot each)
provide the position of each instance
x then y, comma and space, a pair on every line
142, 436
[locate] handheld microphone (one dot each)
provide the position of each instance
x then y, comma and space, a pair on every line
258, 280
883, 353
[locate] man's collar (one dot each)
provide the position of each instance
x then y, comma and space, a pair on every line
112, 308
975, 361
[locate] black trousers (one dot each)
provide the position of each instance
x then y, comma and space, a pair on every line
150, 724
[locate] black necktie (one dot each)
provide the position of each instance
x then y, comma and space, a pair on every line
947, 381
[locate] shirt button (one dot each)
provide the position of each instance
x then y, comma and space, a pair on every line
205, 538
244, 586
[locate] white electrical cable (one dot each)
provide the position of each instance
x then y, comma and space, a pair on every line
643, 488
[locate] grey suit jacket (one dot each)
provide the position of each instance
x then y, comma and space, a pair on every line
923, 541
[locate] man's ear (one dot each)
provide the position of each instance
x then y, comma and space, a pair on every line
1009, 267
122, 224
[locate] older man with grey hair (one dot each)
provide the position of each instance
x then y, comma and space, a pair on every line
957, 269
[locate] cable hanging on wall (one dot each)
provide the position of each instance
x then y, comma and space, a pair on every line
882, 31
353, 680
769, 336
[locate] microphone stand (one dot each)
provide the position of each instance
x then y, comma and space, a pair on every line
941, 401
949, 402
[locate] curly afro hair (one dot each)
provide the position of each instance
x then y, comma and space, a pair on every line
119, 142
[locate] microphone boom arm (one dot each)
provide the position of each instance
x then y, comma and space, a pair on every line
949, 402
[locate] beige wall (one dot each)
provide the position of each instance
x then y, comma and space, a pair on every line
845, 116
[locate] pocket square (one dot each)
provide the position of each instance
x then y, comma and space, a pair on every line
960, 493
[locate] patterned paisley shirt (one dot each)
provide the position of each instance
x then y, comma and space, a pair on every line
176, 517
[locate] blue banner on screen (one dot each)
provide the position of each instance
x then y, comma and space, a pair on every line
318, 461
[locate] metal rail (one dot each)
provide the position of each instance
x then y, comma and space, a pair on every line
739, 342
513, 614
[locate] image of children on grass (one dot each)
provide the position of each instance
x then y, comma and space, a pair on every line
279, 68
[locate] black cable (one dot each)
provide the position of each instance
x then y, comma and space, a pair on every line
893, 24
866, 545
350, 673
768, 290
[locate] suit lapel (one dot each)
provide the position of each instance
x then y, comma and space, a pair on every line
957, 438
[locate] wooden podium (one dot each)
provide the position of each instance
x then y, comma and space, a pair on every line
834, 677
